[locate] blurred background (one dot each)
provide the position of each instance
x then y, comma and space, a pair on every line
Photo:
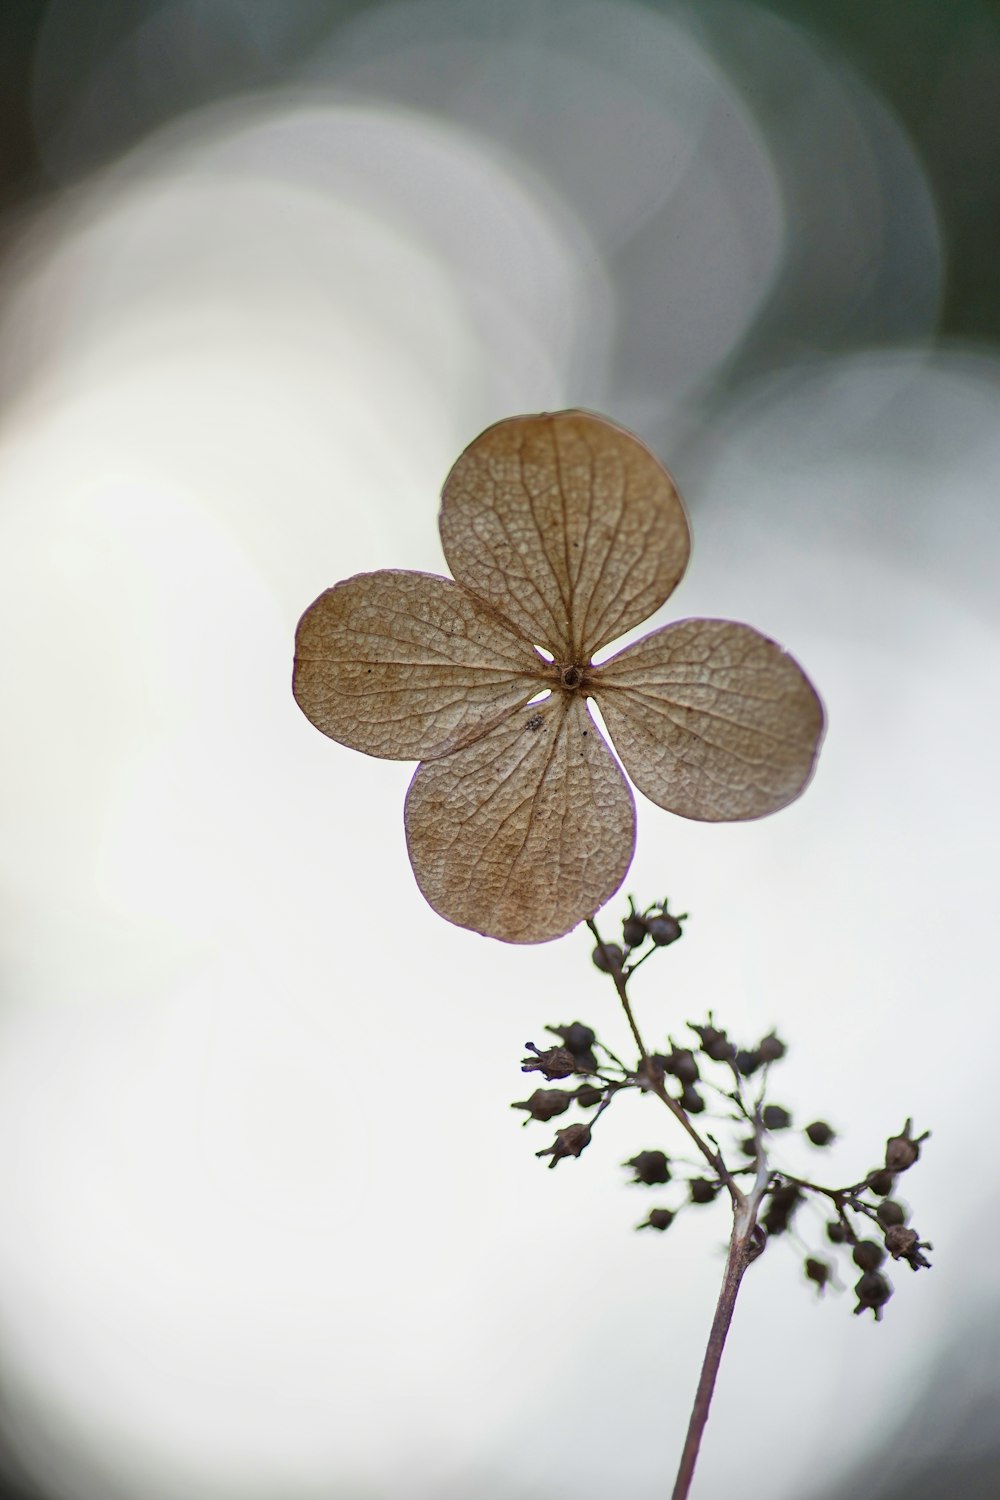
269, 1226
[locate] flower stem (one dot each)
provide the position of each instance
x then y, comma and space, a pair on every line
736, 1263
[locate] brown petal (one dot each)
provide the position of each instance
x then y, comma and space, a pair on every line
528, 831
711, 719
567, 525
408, 666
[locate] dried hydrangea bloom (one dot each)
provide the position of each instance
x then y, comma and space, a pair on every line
562, 532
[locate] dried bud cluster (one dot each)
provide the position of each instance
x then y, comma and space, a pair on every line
712, 1073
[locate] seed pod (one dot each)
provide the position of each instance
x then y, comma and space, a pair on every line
872, 1290
608, 957
633, 928
817, 1271
588, 1095
836, 1232
771, 1049
901, 1151
569, 1141
555, 1062
820, 1133
545, 1104
702, 1189
691, 1101
683, 1064
905, 1244
659, 1218
747, 1063
781, 1206
774, 1117
650, 1167
881, 1182
664, 928
889, 1212
715, 1043
868, 1255
578, 1039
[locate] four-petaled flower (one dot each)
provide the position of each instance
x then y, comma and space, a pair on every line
562, 531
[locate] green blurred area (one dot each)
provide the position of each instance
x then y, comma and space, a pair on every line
936, 63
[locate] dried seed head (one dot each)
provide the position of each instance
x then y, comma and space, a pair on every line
545, 1104
608, 957
569, 1141
555, 1062
881, 1182
818, 1271
872, 1290
664, 929
771, 1049
714, 1043
579, 1040
905, 1244
819, 1133
901, 1151
683, 1064
650, 1167
633, 928
868, 1255
659, 1218
781, 1206
889, 1212
747, 1063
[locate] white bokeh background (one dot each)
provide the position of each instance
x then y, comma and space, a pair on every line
272, 1228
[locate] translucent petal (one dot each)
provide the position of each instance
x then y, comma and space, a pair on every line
528, 831
408, 666
568, 526
711, 719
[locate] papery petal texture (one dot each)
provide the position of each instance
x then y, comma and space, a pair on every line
711, 719
528, 831
409, 666
567, 525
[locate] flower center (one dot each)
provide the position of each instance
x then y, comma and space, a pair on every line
570, 677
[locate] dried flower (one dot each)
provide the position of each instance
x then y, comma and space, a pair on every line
562, 531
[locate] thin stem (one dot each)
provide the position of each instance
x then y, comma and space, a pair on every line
736, 1263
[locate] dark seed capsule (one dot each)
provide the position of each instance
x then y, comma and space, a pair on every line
663, 929
702, 1190
868, 1255
608, 957
747, 1063
659, 1218
775, 1118
872, 1290
881, 1182
650, 1167
691, 1101
836, 1232
889, 1212
771, 1049
545, 1104
588, 1095
820, 1133
818, 1271
634, 929
683, 1064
